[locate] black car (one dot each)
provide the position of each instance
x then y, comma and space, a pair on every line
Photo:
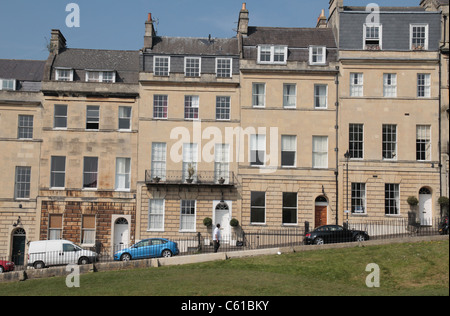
334, 234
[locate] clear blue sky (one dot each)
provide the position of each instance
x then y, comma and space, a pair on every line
25, 25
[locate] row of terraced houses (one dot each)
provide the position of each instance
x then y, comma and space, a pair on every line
274, 127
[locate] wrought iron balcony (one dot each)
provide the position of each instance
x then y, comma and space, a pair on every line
199, 178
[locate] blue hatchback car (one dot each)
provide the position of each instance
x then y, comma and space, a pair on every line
148, 248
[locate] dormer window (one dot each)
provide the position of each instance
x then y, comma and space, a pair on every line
107, 76
272, 54
64, 74
317, 55
192, 66
419, 37
8, 84
373, 36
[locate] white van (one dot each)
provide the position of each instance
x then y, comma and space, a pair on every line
57, 252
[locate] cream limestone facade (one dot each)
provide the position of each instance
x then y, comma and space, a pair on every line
278, 128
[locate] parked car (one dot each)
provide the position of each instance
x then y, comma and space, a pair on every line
334, 234
148, 248
6, 266
58, 252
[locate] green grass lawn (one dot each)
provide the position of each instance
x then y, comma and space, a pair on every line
406, 269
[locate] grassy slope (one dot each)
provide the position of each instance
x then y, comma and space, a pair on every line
406, 269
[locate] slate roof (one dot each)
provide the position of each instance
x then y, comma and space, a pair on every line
292, 37
298, 41
195, 46
385, 9
22, 70
125, 63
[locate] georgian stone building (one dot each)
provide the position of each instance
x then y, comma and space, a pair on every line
274, 127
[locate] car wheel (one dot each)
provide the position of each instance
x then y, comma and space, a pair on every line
166, 253
83, 261
319, 241
360, 238
39, 265
125, 257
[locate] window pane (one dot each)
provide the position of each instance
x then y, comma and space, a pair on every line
320, 152
289, 208
123, 173
92, 117
288, 150
58, 172
25, 130
161, 66
224, 67
222, 108
320, 96
90, 172
159, 160
289, 95
356, 141
156, 215
259, 94
22, 185
60, 117
258, 207
160, 106
125, 117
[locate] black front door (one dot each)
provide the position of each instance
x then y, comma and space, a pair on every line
18, 249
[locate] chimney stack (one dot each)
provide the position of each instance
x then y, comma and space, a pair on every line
243, 20
57, 42
322, 20
150, 33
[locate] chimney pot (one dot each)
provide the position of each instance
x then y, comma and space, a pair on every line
244, 6
149, 17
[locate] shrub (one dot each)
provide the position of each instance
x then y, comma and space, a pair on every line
443, 201
234, 222
412, 200
207, 222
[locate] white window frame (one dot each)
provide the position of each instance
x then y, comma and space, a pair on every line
14, 87
411, 33
58, 76
390, 144
272, 54
289, 97
168, 66
257, 144
129, 119
293, 138
159, 158
256, 97
221, 108
160, 215
184, 229
362, 189
423, 134
313, 53
390, 89
222, 162
317, 105
194, 107
223, 69
199, 67
356, 84
380, 34
426, 85
60, 172
102, 76
126, 174
317, 151
396, 198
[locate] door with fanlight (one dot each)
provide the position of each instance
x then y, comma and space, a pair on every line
222, 216
425, 207
121, 233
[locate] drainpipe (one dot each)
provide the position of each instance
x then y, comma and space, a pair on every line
440, 109
336, 172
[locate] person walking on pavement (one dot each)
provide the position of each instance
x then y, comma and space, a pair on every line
216, 238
